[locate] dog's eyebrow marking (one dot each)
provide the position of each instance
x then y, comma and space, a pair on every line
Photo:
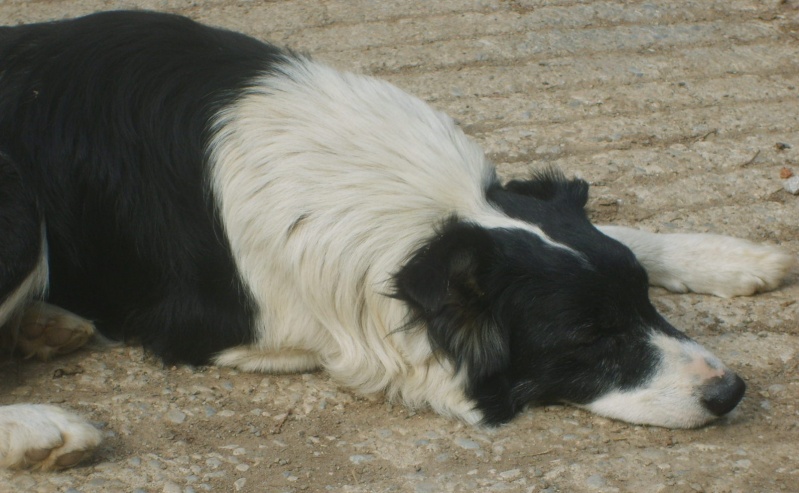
499, 220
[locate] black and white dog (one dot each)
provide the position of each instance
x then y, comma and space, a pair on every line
220, 200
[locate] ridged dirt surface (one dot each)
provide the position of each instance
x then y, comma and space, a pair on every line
672, 110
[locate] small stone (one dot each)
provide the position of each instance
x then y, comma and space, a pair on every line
170, 487
242, 467
239, 483
361, 458
427, 488
467, 444
791, 185
595, 481
776, 388
786, 173
510, 474
176, 416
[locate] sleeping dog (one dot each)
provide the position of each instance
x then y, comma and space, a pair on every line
223, 201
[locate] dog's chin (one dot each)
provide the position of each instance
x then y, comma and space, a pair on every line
639, 410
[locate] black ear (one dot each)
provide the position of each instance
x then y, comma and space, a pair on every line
551, 185
445, 286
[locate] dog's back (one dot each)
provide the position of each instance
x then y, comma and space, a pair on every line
103, 122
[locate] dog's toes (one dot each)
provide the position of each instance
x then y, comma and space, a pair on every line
46, 330
44, 437
721, 266
748, 268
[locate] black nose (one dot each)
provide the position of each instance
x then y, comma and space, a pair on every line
721, 394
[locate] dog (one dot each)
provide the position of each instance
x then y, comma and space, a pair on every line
224, 201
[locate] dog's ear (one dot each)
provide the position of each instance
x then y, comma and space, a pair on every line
444, 284
551, 185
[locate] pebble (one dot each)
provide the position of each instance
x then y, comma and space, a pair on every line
510, 474
170, 487
467, 444
361, 458
427, 488
595, 481
239, 483
176, 416
791, 185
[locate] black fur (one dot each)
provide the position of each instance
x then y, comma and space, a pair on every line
82, 102
19, 217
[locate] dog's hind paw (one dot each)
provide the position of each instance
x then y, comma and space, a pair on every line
46, 330
44, 437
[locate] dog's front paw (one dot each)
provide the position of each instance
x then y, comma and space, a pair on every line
723, 266
44, 437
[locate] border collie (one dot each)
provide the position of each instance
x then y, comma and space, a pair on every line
223, 201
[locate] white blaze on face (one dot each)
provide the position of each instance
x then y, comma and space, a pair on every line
673, 396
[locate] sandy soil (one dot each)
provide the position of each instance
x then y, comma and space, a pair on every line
673, 110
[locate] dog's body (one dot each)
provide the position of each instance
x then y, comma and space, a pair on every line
220, 200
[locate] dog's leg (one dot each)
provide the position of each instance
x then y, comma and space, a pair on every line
253, 359
44, 437
706, 263
46, 330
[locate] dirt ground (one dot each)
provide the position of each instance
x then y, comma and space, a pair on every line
680, 113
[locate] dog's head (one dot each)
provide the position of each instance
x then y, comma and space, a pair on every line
557, 312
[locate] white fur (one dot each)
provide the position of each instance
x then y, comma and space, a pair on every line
362, 172
671, 398
34, 285
43, 437
706, 263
